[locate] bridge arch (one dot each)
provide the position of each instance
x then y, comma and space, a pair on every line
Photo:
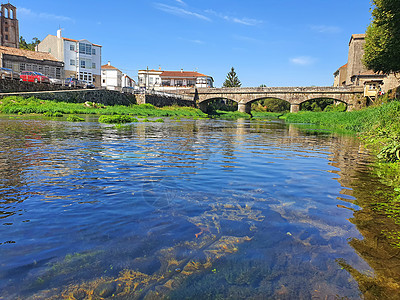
335, 101
270, 98
204, 103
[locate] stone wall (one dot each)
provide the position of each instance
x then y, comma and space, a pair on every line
8, 86
161, 101
105, 97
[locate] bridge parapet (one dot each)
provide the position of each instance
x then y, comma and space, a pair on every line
294, 95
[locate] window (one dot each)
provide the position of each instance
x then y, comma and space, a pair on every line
93, 51
22, 67
178, 83
6, 37
58, 72
71, 47
83, 64
151, 80
104, 81
85, 48
6, 29
93, 65
72, 62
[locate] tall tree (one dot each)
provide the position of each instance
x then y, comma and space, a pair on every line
382, 41
232, 80
28, 46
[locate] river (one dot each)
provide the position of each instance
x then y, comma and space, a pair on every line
195, 209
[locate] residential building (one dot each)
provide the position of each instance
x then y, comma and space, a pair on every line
113, 79
169, 80
354, 73
9, 28
82, 59
25, 60
128, 82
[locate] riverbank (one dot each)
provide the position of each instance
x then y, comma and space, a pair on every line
377, 126
21, 106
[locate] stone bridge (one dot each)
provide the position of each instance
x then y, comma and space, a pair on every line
353, 97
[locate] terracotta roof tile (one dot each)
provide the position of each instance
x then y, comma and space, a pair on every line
77, 41
181, 74
108, 67
27, 53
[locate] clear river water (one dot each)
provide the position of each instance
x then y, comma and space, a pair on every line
187, 209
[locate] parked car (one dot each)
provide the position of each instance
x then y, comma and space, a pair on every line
56, 81
9, 74
73, 82
34, 77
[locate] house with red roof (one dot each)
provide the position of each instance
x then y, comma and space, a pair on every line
172, 80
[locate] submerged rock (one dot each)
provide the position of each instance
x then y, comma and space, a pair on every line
105, 289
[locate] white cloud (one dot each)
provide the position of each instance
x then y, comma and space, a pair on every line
325, 29
180, 2
247, 39
242, 21
302, 60
177, 11
28, 12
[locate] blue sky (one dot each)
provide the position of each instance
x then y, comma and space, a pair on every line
272, 42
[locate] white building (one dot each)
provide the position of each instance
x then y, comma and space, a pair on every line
169, 80
82, 59
113, 79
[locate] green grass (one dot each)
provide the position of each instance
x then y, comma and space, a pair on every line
19, 105
379, 126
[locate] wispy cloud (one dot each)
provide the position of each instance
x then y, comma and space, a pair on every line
325, 29
303, 60
242, 21
247, 39
180, 2
28, 12
178, 11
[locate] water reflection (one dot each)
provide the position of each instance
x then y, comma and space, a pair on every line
197, 208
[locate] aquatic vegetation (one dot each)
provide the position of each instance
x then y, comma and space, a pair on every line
116, 119
229, 115
74, 118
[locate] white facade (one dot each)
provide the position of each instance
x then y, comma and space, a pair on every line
169, 80
149, 79
82, 59
111, 78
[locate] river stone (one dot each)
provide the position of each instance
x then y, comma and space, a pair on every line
105, 289
80, 295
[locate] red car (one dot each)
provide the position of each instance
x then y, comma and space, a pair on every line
34, 77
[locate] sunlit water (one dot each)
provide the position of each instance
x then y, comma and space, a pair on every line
198, 209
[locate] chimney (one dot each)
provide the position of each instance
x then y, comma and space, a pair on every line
109, 63
159, 68
59, 33
181, 70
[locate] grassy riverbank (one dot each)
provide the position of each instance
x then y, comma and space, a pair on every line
378, 126
19, 105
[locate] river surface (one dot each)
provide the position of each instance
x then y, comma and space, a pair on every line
189, 209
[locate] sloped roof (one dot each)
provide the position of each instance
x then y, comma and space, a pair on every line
77, 41
108, 67
184, 74
27, 53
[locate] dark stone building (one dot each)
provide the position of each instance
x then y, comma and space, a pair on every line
9, 29
24, 60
